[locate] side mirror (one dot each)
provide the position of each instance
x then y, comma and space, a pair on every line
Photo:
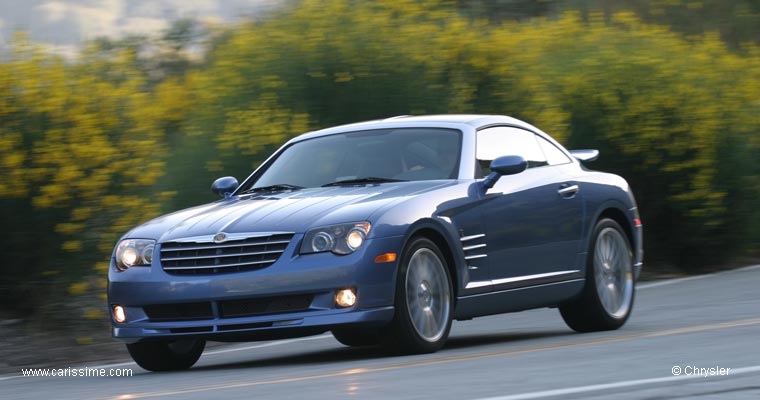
224, 186
585, 155
505, 165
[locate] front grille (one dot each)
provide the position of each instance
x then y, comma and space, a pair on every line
228, 308
193, 329
206, 257
264, 306
178, 312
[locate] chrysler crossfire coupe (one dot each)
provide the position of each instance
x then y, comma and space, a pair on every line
382, 233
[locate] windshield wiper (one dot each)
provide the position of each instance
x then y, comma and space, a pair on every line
369, 179
272, 188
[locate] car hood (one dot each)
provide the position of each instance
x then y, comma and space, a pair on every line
288, 211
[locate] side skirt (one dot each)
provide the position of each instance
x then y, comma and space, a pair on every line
519, 299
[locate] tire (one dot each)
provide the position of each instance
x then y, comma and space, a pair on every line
422, 320
607, 298
356, 337
166, 356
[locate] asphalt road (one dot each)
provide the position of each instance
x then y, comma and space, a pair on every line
683, 326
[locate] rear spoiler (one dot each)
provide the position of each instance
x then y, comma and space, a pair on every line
585, 155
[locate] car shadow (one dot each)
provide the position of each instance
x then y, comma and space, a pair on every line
473, 341
348, 355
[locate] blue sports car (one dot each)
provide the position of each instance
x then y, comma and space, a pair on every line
383, 233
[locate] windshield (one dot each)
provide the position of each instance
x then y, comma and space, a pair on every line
407, 154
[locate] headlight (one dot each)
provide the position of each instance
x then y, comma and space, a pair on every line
340, 239
134, 252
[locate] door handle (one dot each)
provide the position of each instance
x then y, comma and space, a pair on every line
568, 191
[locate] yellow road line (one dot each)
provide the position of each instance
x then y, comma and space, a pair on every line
443, 360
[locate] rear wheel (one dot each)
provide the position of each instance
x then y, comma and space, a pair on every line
607, 298
165, 355
356, 337
422, 320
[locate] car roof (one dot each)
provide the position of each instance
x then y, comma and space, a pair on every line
474, 120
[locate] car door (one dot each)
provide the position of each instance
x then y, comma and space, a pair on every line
533, 219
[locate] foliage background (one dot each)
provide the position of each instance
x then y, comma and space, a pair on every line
668, 90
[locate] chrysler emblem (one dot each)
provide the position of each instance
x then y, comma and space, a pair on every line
220, 237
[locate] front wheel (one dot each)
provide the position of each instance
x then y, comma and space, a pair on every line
166, 356
607, 298
422, 320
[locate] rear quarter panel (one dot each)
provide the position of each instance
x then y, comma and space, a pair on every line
603, 192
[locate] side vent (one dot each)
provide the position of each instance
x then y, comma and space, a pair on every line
473, 248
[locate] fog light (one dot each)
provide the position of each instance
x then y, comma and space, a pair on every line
345, 298
119, 314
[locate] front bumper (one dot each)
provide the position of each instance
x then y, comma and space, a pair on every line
268, 327
293, 278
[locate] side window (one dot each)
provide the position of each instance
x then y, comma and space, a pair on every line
507, 141
554, 156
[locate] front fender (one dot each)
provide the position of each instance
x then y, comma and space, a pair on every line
445, 235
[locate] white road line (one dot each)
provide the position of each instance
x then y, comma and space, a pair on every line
205, 353
691, 278
668, 282
269, 344
616, 385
